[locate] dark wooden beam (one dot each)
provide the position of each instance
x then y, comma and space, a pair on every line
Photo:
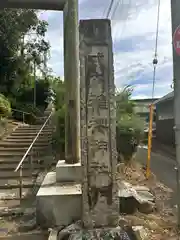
33, 4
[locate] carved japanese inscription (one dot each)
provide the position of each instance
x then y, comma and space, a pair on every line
99, 162
98, 149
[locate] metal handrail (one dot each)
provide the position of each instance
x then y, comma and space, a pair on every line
30, 147
28, 113
23, 113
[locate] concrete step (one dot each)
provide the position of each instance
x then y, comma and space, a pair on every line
27, 140
13, 154
10, 194
12, 166
13, 175
7, 154
54, 201
22, 130
24, 137
17, 211
21, 149
34, 235
16, 186
14, 183
35, 127
7, 144
36, 160
30, 133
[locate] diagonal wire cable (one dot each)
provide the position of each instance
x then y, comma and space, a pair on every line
109, 8
124, 22
116, 7
156, 47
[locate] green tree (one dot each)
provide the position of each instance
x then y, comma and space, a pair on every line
58, 95
123, 103
17, 54
129, 125
5, 107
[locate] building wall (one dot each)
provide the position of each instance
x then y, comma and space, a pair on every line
142, 108
165, 122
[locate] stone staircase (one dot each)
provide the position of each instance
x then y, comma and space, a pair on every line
15, 212
12, 149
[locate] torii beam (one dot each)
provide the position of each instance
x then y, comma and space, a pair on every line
34, 4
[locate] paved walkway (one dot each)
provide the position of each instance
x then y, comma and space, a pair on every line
164, 149
162, 165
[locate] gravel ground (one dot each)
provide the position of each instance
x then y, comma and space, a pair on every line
162, 223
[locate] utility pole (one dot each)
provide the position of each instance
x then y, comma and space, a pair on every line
175, 6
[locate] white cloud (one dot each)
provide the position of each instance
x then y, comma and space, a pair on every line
134, 29
139, 61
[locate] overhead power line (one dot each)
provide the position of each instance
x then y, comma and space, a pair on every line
109, 8
116, 7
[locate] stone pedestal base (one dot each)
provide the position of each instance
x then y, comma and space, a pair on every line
57, 204
68, 172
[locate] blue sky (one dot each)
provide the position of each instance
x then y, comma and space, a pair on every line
133, 31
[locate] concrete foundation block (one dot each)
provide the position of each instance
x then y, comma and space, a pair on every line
57, 204
68, 172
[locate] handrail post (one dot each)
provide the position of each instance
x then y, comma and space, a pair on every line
20, 182
23, 117
31, 159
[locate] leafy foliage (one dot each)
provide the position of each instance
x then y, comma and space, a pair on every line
5, 108
124, 106
58, 95
129, 125
19, 53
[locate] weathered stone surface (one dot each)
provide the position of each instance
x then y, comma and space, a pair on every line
8, 212
68, 172
53, 235
28, 226
57, 204
105, 233
146, 208
135, 197
98, 124
141, 233
71, 229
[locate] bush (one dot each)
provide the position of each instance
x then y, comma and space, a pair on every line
59, 133
5, 107
58, 96
27, 108
129, 133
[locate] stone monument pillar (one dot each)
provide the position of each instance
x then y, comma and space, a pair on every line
72, 83
98, 125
